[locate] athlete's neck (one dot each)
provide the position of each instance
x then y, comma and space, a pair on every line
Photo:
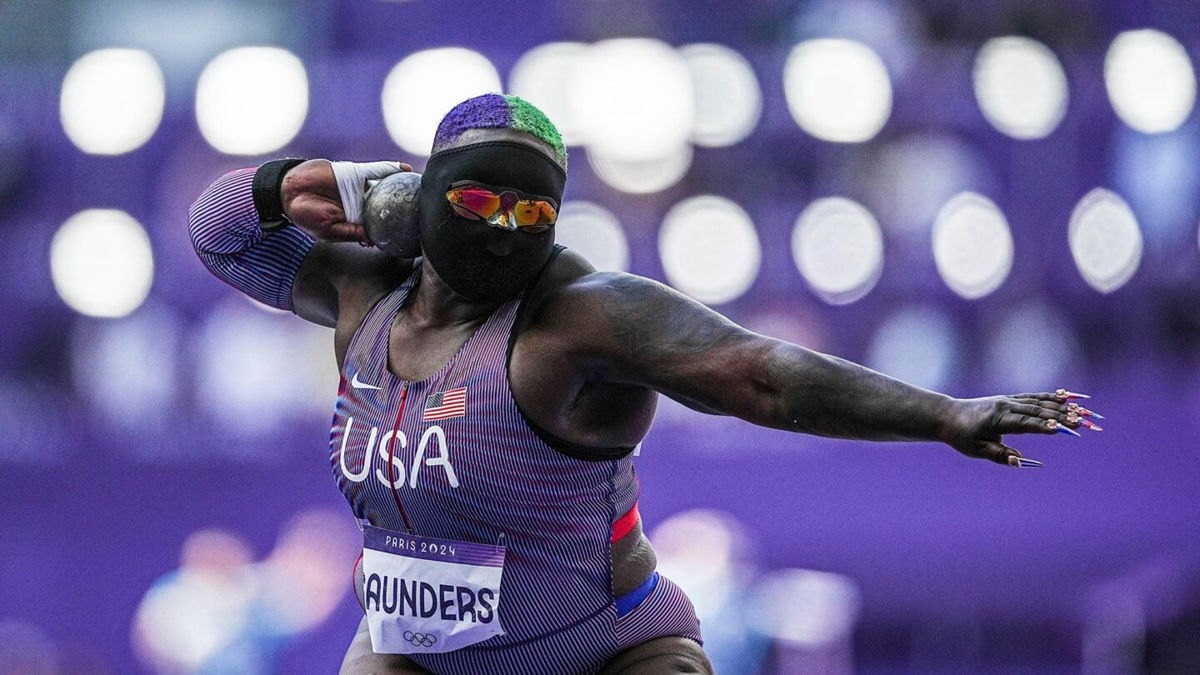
436, 304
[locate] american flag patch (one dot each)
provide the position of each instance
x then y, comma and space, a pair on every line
445, 404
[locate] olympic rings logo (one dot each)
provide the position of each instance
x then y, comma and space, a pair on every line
420, 639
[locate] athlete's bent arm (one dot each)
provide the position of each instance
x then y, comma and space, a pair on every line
301, 267
643, 333
224, 226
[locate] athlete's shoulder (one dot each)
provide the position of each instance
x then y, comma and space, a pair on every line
571, 277
613, 289
577, 295
564, 269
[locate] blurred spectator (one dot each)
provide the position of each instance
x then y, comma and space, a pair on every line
221, 612
811, 615
709, 554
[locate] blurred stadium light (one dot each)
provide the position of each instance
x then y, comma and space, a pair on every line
595, 233
541, 76
183, 36
230, 95
915, 175
632, 99
1021, 87
838, 247
1105, 240
424, 86
1010, 362
642, 176
972, 245
112, 101
130, 367
837, 90
709, 249
917, 344
101, 263
1150, 80
250, 386
890, 27
1159, 174
727, 97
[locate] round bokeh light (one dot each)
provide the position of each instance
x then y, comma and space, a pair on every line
423, 87
632, 99
101, 263
1021, 87
709, 249
838, 247
972, 245
837, 90
642, 176
541, 75
230, 99
112, 101
727, 97
595, 233
1150, 80
1105, 240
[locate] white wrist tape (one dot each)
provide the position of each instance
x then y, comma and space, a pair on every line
352, 180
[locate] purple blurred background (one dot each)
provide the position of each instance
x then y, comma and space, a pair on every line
976, 257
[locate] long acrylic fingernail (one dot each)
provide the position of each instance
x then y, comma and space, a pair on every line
1054, 425
1091, 425
1080, 410
1024, 462
1064, 394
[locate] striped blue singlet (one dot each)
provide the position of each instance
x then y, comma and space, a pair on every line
477, 472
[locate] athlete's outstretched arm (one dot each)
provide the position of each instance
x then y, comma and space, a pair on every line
300, 267
642, 332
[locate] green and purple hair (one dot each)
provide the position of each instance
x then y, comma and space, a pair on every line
500, 111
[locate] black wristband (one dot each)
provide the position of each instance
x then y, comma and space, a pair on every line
267, 181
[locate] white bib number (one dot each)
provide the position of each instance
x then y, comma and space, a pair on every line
425, 595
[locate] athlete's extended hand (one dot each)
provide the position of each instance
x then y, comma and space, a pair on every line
974, 426
325, 198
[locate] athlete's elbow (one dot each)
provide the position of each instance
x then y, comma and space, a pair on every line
217, 265
775, 379
204, 228
223, 219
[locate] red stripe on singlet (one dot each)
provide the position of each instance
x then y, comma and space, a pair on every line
624, 524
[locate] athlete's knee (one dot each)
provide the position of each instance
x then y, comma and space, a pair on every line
669, 655
664, 664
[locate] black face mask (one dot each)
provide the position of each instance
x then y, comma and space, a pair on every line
480, 262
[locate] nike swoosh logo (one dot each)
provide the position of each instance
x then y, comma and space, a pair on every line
361, 385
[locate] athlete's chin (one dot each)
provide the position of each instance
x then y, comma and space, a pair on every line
492, 287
